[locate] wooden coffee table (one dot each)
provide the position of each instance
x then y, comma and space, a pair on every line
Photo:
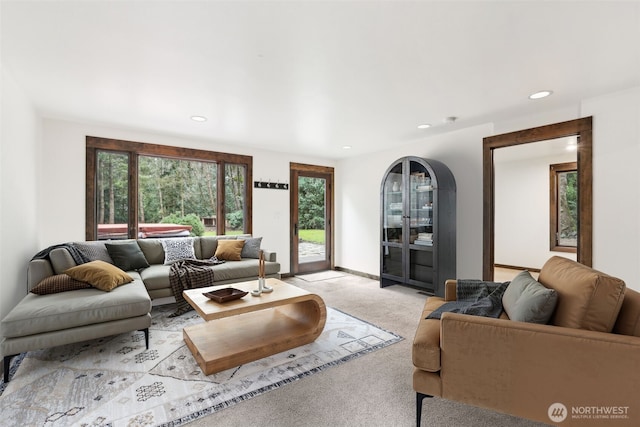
247, 329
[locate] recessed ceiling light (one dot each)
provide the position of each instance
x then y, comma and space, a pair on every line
424, 126
199, 118
346, 147
541, 94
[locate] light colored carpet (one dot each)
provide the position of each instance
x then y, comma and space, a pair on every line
115, 381
371, 391
323, 275
374, 390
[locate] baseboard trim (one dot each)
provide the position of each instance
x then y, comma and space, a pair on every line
345, 270
357, 273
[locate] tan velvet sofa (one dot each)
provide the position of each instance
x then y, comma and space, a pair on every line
581, 369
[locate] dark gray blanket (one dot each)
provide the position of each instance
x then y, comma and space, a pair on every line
472, 289
78, 256
474, 297
189, 274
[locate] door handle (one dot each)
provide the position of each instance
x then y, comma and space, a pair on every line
295, 229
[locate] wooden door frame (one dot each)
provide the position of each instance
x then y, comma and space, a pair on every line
294, 170
583, 128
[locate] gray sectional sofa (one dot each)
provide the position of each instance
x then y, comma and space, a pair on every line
41, 321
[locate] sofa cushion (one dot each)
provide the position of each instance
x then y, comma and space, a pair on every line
100, 275
208, 246
76, 308
178, 249
58, 283
94, 250
526, 300
152, 250
229, 250
156, 277
247, 268
127, 256
587, 298
251, 248
628, 322
61, 260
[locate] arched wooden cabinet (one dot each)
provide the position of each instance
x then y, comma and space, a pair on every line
418, 225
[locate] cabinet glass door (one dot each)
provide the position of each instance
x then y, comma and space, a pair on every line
421, 194
393, 222
418, 220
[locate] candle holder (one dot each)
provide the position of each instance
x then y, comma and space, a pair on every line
262, 287
265, 289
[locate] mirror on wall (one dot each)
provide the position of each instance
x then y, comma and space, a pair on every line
519, 230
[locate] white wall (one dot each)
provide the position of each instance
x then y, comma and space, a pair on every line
50, 196
616, 184
19, 165
616, 177
522, 210
63, 182
358, 194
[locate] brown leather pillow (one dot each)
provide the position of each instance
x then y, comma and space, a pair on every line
229, 250
58, 283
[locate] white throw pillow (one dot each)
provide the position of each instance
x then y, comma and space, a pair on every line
178, 249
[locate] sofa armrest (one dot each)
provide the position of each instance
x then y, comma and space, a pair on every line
522, 368
38, 270
269, 256
450, 290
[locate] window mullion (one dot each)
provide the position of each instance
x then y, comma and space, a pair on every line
220, 188
133, 195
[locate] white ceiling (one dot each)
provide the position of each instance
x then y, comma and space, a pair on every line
311, 77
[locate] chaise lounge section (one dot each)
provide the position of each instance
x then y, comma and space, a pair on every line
122, 300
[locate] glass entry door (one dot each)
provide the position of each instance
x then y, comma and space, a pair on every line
311, 197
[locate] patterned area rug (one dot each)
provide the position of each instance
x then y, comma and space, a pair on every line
114, 381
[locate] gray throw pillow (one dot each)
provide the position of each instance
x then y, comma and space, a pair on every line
94, 250
527, 300
251, 248
127, 256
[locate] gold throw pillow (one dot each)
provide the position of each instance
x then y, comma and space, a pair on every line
229, 250
100, 275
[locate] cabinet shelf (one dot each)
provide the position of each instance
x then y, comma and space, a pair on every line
417, 247
424, 209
